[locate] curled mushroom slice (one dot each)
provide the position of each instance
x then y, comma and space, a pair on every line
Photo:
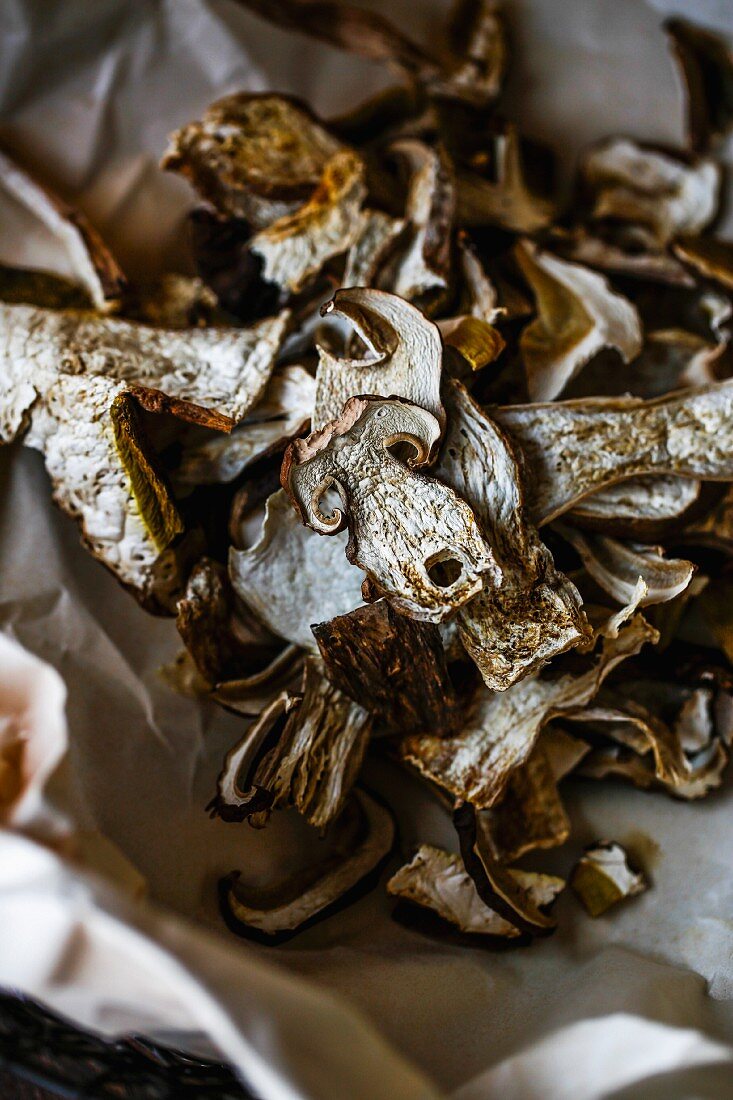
296, 246
250, 694
508, 896
418, 542
404, 355
706, 64
477, 40
257, 157
641, 506
619, 249
501, 729
424, 268
284, 411
617, 566
512, 629
393, 666
506, 201
633, 184
578, 315
708, 256
93, 264
574, 448
325, 581
531, 813
438, 881
375, 239
362, 839
703, 775
602, 877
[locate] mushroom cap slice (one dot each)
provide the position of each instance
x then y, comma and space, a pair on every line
364, 836
437, 880
401, 524
404, 355
574, 448
578, 316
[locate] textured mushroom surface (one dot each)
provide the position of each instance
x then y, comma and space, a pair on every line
401, 523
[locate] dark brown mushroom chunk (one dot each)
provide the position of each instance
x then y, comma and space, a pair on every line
706, 65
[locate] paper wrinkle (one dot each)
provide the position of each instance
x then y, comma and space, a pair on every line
90, 93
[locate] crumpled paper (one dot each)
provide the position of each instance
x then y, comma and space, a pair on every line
635, 1004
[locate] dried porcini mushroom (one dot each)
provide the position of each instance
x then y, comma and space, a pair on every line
364, 835
402, 525
709, 257
262, 575
578, 316
257, 157
513, 627
602, 877
94, 266
371, 247
501, 729
438, 881
706, 64
393, 666
616, 566
404, 355
630, 183
574, 448
641, 506
507, 200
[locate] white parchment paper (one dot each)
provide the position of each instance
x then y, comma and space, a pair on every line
358, 1006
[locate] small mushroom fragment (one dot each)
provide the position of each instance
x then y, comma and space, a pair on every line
438, 881
476, 342
257, 157
363, 838
512, 629
510, 897
317, 758
708, 256
402, 525
374, 241
404, 360
297, 245
283, 412
574, 448
531, 813
706, 64
93, 264
640, 506
631, 183
502, 729
507, 201
602, 877
393, 666
424, 268
616, 566
578, 316
290, 578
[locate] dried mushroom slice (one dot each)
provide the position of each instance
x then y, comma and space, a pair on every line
706, 64
363, 838
708, 256
619, 249
513, 628
374, 241
703, 775
94, 266
257, 157
507, 201
317, 758
616, 566
640, 506
602, 877
251, 694
575, 448
418, 542
438, 881
631, 183
290, 578
578, 316
477, 40
531, 814
393, 666
476, 342
510, 897
502, 729
714, 529
404, 355
283, 412
424, 268
296, 246
209, 376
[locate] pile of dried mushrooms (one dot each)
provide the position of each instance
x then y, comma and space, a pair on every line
425, 460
